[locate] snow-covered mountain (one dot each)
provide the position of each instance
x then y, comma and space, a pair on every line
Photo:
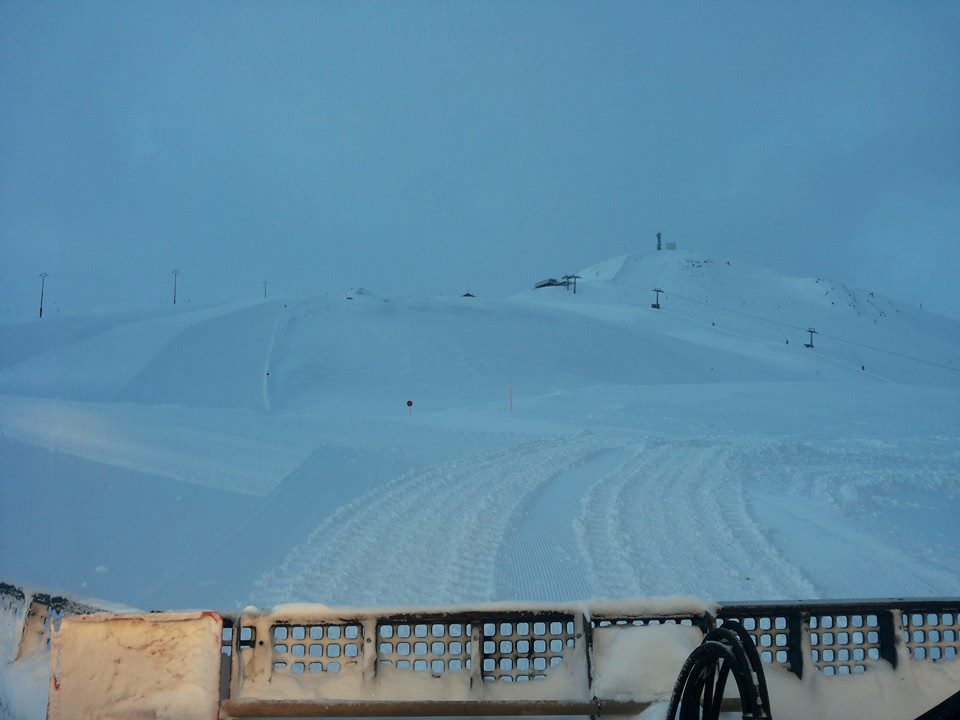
560, 444
720, 321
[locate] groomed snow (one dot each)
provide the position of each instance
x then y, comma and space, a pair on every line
263, 452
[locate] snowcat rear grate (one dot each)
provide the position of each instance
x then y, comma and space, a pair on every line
496, 646
699, 621
425, 645
843, 644
932, 635
521, 649
770, 633
326, 648
247, 637
226, 637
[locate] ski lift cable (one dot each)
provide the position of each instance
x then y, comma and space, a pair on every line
848, 366
821, 355
889, 352
904, 356
779, 323
726, 330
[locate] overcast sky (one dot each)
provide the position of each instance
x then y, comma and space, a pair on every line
428, 148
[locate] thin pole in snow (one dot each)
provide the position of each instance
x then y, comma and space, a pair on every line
43, 282
264, 289
175, 273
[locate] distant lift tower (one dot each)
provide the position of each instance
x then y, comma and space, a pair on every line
812, 333
656, 305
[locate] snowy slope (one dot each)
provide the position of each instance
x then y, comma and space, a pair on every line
744, 305
263, 452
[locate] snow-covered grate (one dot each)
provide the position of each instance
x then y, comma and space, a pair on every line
247, 637
932, 635
844, 644
770, 634
522, 649
226, 637
690, 621
843, 639
269, 661
315, 648
428, 646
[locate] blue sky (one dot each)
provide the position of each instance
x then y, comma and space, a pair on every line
428, 148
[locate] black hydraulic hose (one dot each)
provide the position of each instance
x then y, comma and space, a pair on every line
701, 682
696, 683
721, 683
745, 644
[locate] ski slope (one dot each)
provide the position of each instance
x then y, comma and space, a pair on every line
262, 452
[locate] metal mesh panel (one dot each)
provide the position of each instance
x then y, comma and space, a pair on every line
518, 650
844, 644
932, 635
434, 646
316, 648
770, 633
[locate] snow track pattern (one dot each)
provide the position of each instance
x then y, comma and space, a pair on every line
648, 517
673, 519
433, 536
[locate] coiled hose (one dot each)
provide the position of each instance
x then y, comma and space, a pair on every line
725, 650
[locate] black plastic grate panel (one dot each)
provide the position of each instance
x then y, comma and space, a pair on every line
427, 646
524, 649
770, 633
317, 648
932, 635
248, 637
226, 638
601, 622
843, 644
